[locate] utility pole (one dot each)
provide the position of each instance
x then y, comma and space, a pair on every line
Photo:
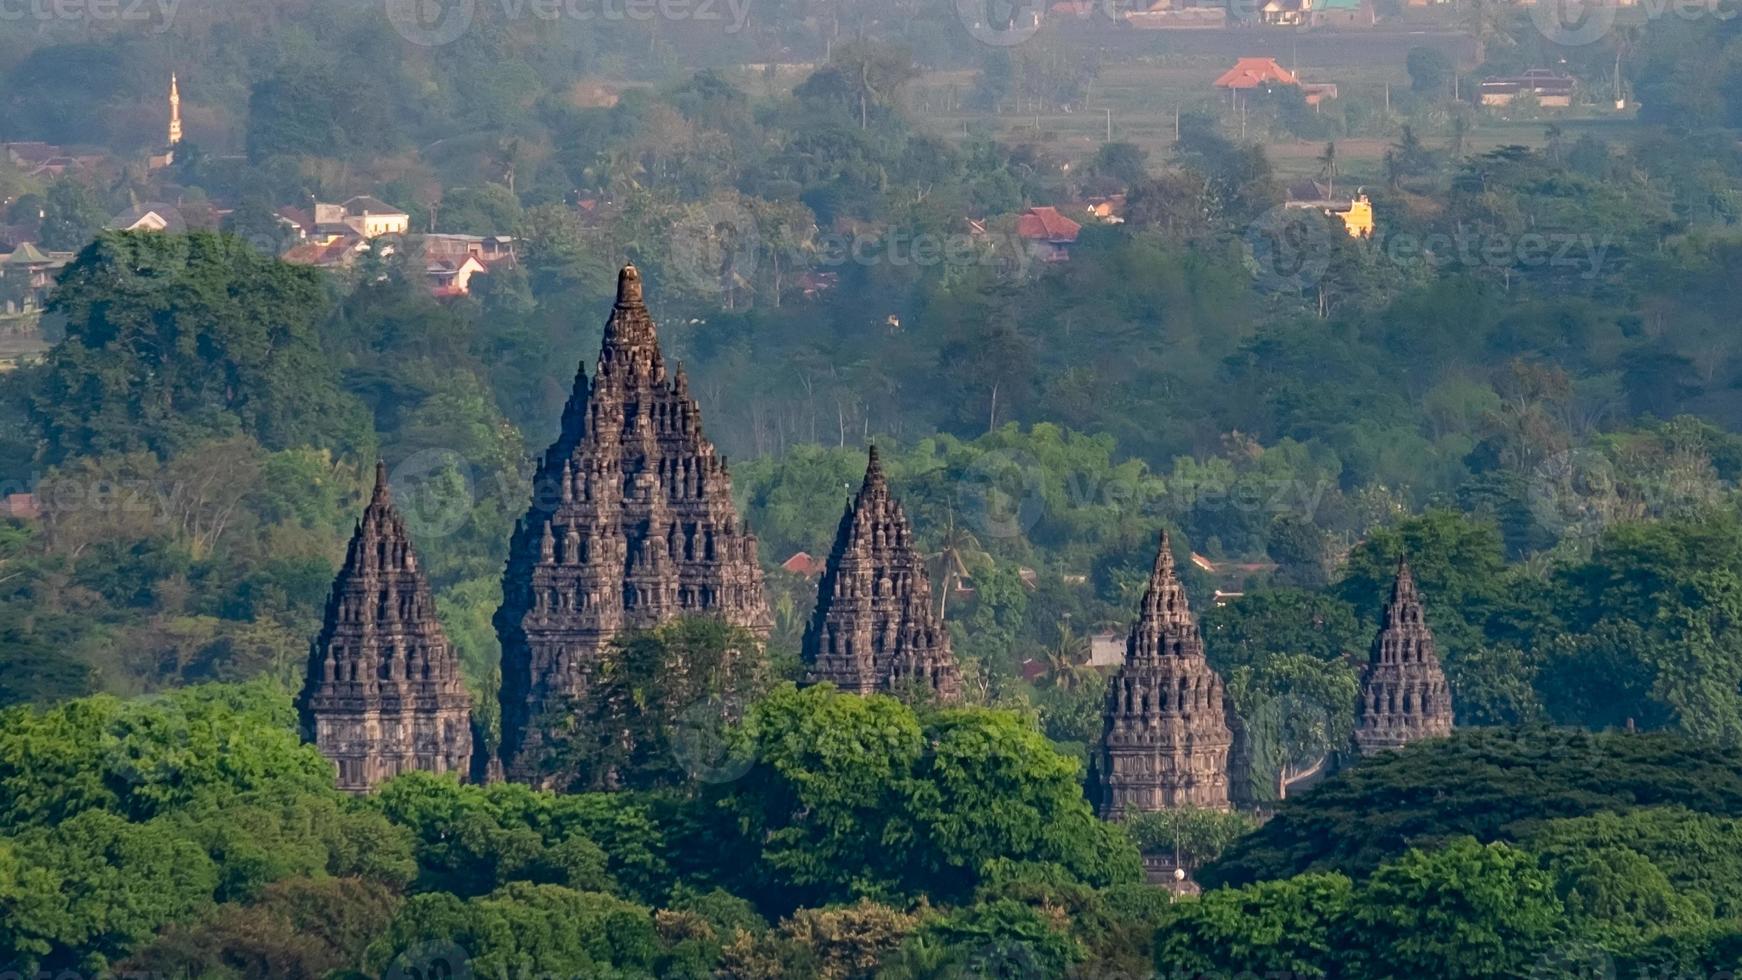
1109, 113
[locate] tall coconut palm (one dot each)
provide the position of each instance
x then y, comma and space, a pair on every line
1067, 665
957, 552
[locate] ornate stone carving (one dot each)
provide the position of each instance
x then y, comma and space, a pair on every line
874, 629
1165, 736
1404, 695
384, 693
631, 525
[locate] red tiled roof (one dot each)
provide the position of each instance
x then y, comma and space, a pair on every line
1048, 225
1253, 72
801, 563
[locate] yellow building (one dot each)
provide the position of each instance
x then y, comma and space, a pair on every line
1356, 213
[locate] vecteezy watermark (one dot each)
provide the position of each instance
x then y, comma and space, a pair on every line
433, 23
704, 743
160, 13
1581, 253
1576, 23
1001, 23
714, 246
435, 491
430, 961
1000, 493
900, 248
1289, 249
1578, 960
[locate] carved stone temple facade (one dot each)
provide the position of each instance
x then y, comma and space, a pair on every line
874, 629
1404, 696
384, 693
631, 525
1165, 737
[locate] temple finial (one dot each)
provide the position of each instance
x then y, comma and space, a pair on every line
629, 286
380, 494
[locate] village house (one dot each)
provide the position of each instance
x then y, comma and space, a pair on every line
365, 217
1265, 74
26, 276
1048, 233
452, 260
47, 161
1355, 212
1109, 210
1168, 15
448, 278
149, 217
1550, 89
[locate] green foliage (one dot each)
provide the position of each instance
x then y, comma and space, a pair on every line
1489, 784
71, 216
857, 796
471, 839
299, 927
1288, 926
140, 759
84, 891
1464, 911
660, 711
1199, 835
524, 927
172, 339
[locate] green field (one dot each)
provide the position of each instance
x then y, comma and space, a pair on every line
1135, 98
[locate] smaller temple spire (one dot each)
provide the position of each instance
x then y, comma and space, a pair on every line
874, 629
1165, 737
1404, 695
384, 694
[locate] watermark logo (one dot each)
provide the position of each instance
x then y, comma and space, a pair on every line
434, 23
1581, 960
1001, 23
431, 23
1009, 959
1000, 493
1288, 249
434, 491
430, 961
1569, 492
159, 13
1573, 23
705, 742
714, 246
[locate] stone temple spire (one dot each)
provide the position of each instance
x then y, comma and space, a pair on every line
384, 694
1404, 696
874, 629
1165, 736
631, 525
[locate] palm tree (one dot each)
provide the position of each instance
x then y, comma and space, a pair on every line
1328, 167
1067, 660
958, 549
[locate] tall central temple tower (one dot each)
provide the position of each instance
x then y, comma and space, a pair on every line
631, 525
1165, 735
